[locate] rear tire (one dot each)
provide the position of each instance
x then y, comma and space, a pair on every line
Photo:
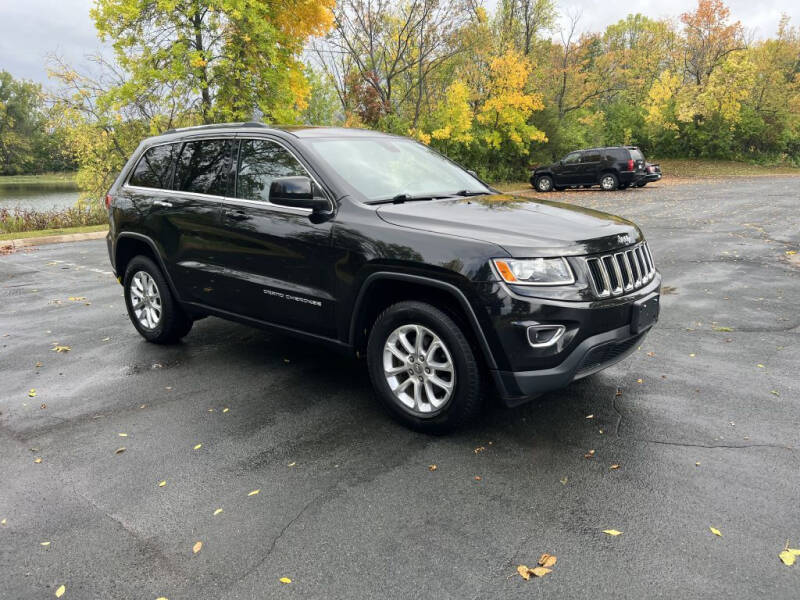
544, 183
423, 368
151, 306
608, 182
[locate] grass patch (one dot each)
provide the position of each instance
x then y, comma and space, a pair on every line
47, 232
61, 181
16, 220
690, 167
512, 186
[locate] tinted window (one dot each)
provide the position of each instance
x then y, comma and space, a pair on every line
593, 156
619, 154
203, 167
261, 161
572, 158
636, 154
153, 169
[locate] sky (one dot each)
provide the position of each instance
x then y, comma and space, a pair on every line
31, 30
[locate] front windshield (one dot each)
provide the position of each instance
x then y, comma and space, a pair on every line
382, 168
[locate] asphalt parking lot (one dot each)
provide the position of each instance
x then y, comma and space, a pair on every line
703, 421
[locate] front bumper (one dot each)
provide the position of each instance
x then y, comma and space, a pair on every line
590, 356
599, 334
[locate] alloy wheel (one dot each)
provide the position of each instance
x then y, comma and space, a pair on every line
145, 300
419, 369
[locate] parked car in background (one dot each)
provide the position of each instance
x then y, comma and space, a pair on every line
652, 173
380, 247
615, 167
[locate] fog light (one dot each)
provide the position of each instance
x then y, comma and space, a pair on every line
540, 336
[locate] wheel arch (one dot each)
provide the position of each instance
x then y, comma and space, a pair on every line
130, 244
382, 289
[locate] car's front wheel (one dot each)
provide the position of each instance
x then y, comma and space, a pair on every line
151, 307
423, 368
544, 183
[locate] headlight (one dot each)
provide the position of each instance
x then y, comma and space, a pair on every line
534, 271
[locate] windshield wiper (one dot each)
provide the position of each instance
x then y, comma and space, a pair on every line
400, 198
466, 193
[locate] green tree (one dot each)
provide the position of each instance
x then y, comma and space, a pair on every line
20, 124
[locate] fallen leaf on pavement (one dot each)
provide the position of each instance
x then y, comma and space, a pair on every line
547, 560
564, 481
479, 449
162, 483
590, 416
38, 365
197, 447
589, 454
122, 434
105, 339
285, 580
524, 572
254, 492
540, 571
225, 410
120, 450
60, 591
197, 547
44, 543
612, 532
477, 477
58, 348
787, 558
715, 531
614, 467
760, 366
432, 467
640, 381
31, 393
37, 460
291, 464
3, 522
218, 511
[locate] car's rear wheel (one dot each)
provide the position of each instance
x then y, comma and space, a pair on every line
423, 368
544, 183
609, 182
151, 307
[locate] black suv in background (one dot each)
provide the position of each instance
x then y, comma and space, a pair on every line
377, 246
616, 167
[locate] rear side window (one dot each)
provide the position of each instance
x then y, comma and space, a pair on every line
154, 169
203, 167
636, 154
619, 154
592, 156
261, 161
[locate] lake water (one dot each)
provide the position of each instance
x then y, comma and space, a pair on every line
44, 197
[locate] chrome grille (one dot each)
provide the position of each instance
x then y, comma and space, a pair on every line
621, 272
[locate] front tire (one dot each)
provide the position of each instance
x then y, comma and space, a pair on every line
151, 306
544, 183
423, 368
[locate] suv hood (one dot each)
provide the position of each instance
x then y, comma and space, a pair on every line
522, 226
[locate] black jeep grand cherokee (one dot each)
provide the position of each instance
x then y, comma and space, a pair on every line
377, 245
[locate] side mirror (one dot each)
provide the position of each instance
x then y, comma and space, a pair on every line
298, 192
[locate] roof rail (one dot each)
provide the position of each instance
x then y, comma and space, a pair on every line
217, 126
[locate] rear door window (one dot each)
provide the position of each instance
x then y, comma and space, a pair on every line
592, 156
203, 167
261, 161
154, 169
636, 154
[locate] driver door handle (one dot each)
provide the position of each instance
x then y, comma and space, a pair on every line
237, 215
